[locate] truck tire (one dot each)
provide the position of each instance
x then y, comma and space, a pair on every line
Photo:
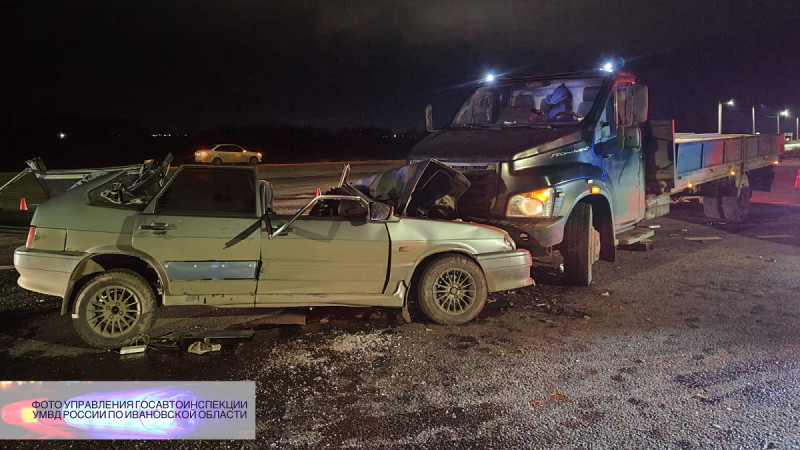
736, 208
581, 246
712, 201
114, 308
452, 290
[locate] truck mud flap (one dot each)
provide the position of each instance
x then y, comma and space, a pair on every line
761, 179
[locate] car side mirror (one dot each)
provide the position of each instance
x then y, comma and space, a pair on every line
380, 212
266, 196
429, 119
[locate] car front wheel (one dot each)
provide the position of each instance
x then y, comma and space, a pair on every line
114, 308
253, 160
452, 290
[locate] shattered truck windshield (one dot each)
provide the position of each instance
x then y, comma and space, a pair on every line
529, 103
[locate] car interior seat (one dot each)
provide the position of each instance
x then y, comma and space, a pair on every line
589, 96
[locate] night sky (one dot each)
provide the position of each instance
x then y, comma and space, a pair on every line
191, 65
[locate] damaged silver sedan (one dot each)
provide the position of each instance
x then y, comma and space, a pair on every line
121, 242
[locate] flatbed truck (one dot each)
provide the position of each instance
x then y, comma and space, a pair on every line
570, 164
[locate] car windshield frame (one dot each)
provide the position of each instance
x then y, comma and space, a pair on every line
502, 104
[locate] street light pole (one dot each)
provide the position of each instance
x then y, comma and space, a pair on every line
754, 119
719, 114
784, 113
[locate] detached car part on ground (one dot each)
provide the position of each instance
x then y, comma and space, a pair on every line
117, 246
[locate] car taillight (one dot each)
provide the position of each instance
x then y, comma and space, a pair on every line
31, 237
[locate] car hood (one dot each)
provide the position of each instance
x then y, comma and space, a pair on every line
423, 189
492, 144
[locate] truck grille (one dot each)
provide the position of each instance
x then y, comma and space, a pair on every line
479, 198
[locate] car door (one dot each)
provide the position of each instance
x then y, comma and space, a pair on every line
224, 154
623, 165
325, 255
204, 229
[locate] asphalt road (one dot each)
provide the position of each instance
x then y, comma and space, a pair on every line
692, 344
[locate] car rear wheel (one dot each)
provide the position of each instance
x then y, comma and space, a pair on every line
114, 308
216, 161
452, 290
253, 160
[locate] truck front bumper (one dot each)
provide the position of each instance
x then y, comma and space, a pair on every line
45, 272
506, 270
531, 233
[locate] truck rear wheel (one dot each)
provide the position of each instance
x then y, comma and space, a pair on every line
581, 246
736, 208
712, 207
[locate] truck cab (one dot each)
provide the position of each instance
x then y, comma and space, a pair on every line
555, 160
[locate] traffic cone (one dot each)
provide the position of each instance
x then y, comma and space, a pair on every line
797, 180
319, 193
24, 206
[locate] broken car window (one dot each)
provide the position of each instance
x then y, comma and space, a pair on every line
211, 191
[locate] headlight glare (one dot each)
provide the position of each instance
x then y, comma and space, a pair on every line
531, 204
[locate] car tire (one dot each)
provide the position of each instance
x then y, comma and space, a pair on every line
452, 290
101, 325
216, 162
581, 246
253, 161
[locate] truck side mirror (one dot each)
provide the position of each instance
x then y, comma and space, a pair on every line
429, 119
629, 137
639, 103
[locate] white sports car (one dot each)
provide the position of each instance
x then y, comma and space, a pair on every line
227, 154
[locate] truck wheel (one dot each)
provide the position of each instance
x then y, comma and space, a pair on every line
581, 246
114, 308
712, 207
736, 208
452, 290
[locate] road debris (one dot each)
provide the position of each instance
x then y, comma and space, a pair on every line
132, 349
703, 238
220, 334
278, 317
605, 294
204, 346
700, 397
139, 344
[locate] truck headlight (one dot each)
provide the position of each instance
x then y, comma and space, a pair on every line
531, 204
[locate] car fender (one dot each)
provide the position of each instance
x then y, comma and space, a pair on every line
89, 265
